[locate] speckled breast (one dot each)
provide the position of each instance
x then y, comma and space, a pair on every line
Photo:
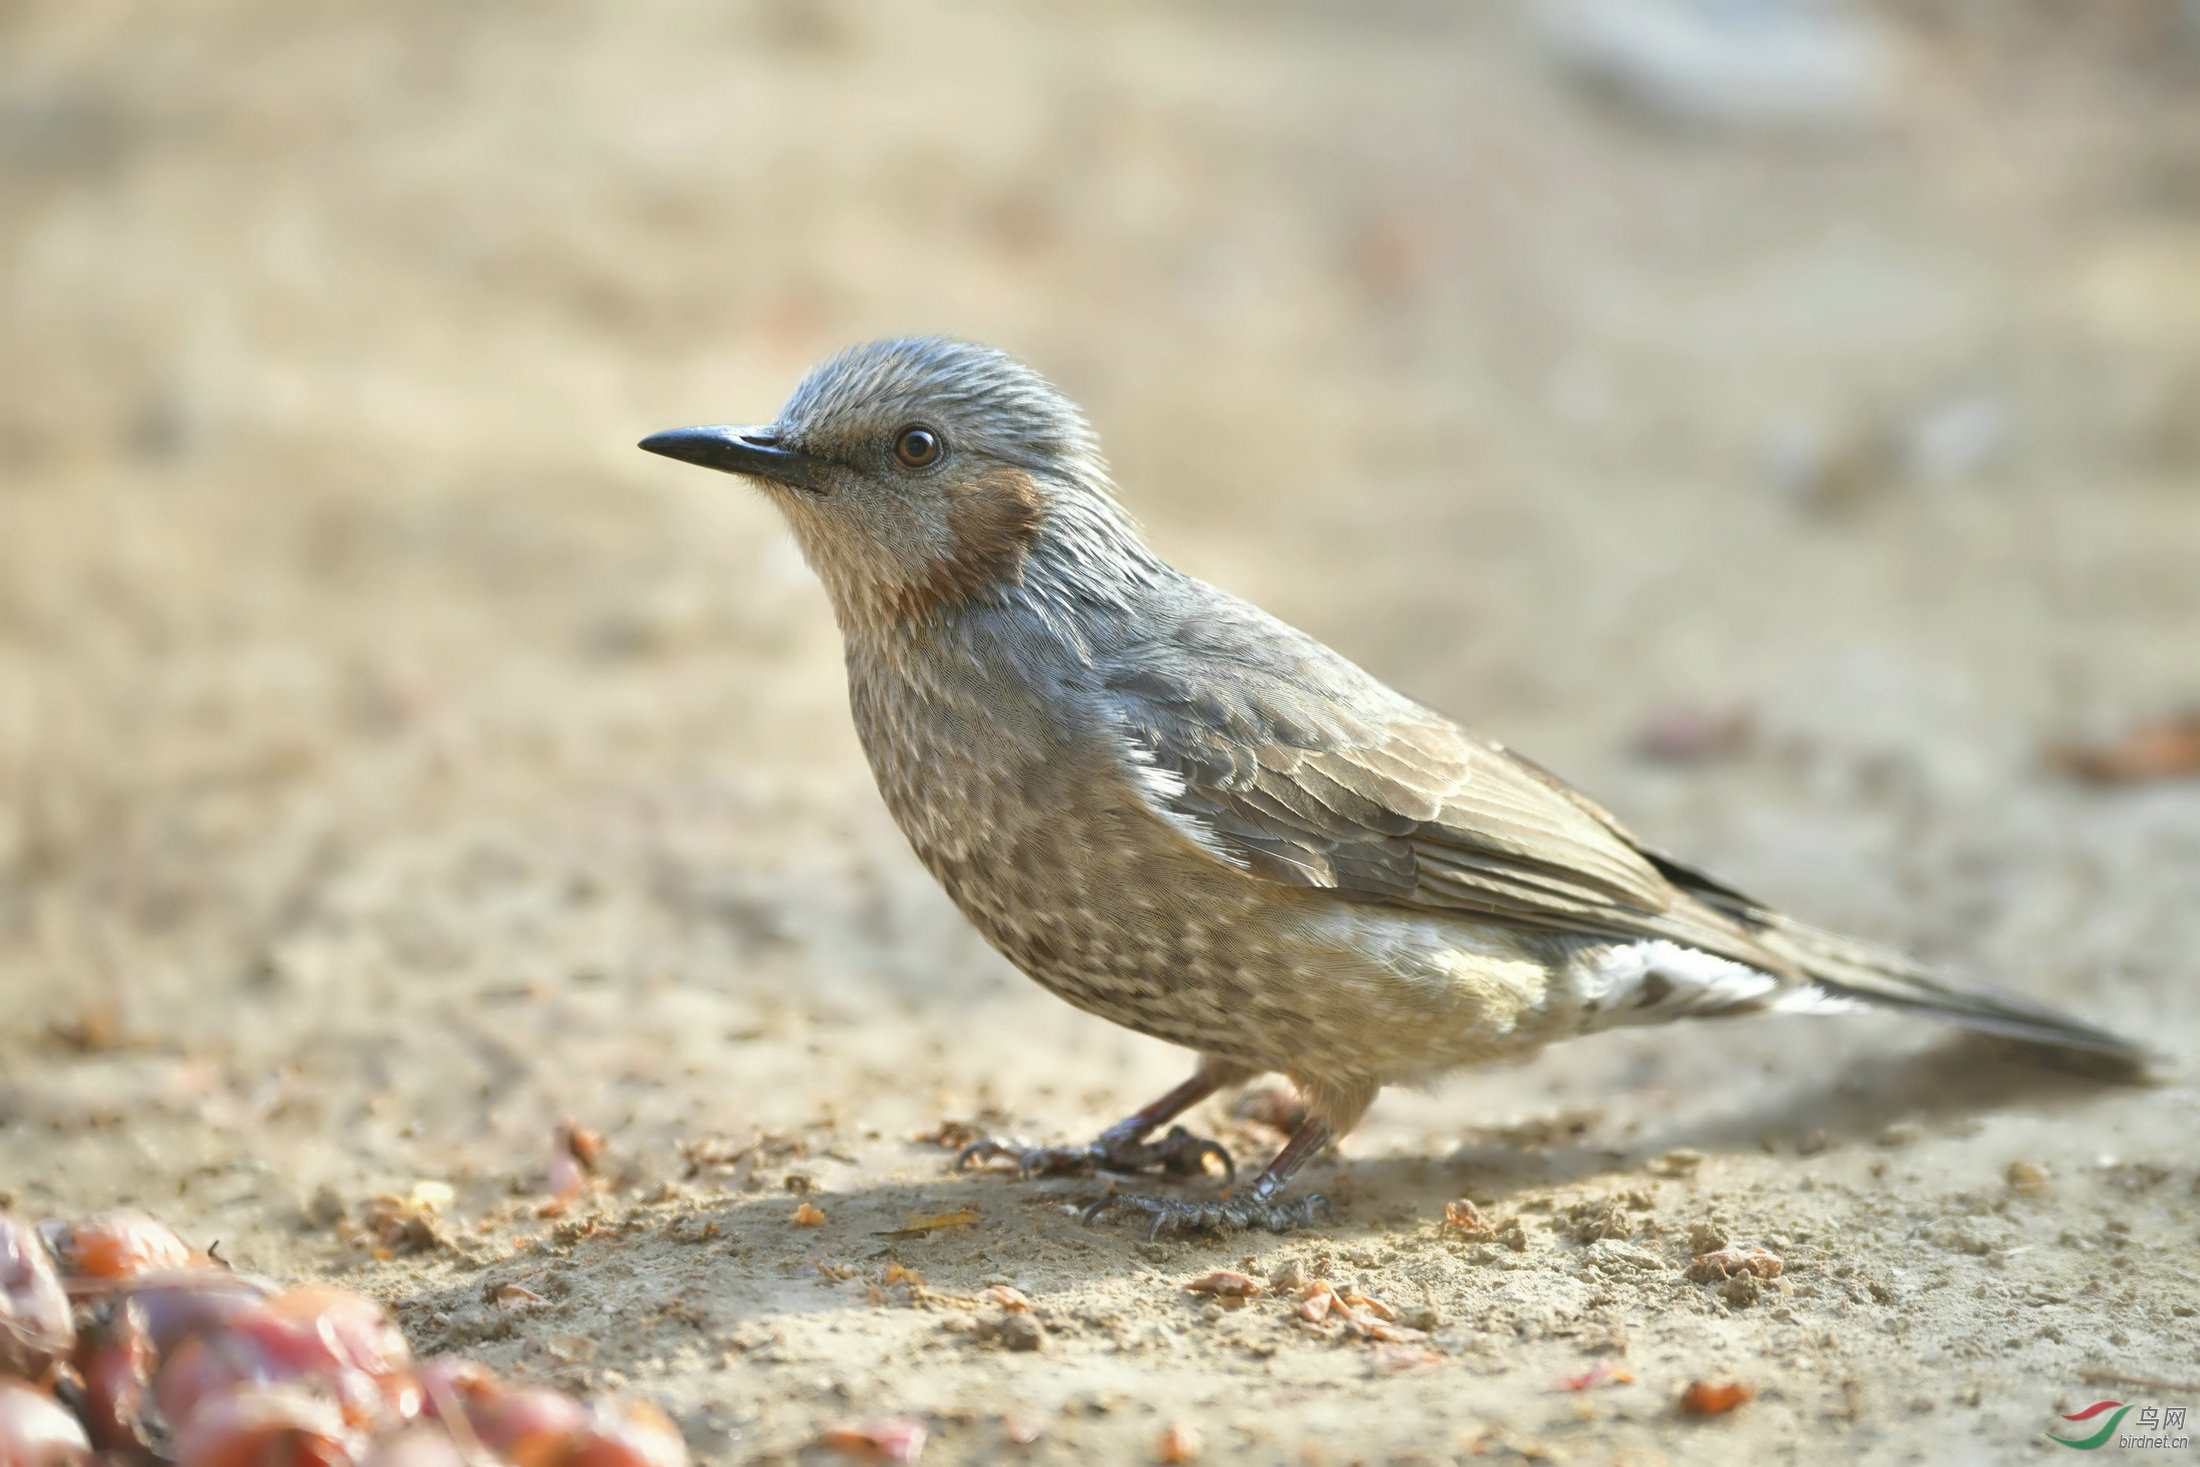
1027, 821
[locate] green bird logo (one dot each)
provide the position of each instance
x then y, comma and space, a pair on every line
2099, 1438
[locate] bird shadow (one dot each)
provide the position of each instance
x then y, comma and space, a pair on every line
1870, 1101
737, 1257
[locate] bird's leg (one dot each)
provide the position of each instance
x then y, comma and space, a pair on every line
1123, 1147
1256, 1207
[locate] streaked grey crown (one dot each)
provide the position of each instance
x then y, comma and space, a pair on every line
985, 400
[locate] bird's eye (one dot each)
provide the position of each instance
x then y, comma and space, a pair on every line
917, 447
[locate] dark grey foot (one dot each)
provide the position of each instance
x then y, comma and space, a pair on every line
1175, 1214
1177, 1154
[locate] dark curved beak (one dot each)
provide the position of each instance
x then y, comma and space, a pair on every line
754, 451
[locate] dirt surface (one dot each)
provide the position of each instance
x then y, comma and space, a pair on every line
393, 762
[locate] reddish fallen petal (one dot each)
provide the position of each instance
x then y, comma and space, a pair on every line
37, 1431
1694, 735
897, 1440
342, 1344
181, 1302
568, 1178
1601, 1373
528, 1425
103, 1250
35, 1328
418, 1446
266, 1426
115, 1359
628, 1434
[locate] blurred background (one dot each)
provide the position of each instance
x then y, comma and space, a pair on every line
1782, 418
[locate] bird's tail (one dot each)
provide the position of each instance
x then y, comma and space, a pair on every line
1847, 969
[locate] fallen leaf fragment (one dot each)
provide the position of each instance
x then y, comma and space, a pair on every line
583, 1145
1473, 1223
1355, 1314
1469, 1219
917, 1227
1714, 1398
807, 1216
2161, 748
1226, 1285
409, 1224
897, 1440
1180, 1442
1394, 1334
1368, 1302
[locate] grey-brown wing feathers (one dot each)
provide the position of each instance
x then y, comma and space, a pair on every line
1283, 758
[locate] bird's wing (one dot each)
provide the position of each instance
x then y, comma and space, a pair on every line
1285, 760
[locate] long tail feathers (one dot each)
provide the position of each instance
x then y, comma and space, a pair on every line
1853, 970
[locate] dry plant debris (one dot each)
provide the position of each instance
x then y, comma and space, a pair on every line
1603, 1372
917, 1227
1725, 1263
1180, 1442
896, 1440
1714, 1398
2161, 748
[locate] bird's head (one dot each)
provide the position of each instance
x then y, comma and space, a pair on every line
919, 475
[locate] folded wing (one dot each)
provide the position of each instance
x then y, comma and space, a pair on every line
1282, 758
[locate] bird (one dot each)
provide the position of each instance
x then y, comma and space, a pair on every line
1181, 814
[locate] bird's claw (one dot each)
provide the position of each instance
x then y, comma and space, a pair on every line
1174, 1214
1178, 1154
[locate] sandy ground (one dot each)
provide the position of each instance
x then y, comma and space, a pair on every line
393, 762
